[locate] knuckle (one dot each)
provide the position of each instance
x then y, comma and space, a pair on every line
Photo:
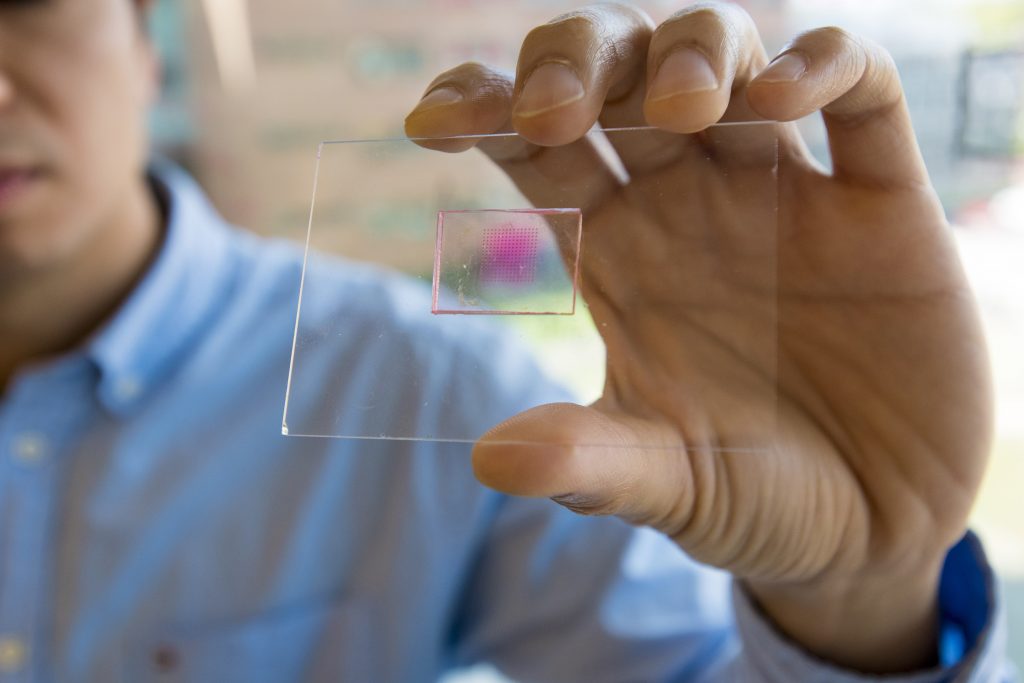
579, 25
881, 59
619, 12
706, 15
470, 75
477, 70
828, 39
637, 11
465, 72
474, 70
600, 35
714, 25
711, 15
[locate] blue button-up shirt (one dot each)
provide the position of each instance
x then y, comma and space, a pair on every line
156, 526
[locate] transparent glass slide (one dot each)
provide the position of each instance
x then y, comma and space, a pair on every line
635, 265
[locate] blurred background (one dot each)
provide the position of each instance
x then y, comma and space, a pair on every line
251, 87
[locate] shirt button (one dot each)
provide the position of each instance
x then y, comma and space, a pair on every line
30, 448
127, 388
13, 653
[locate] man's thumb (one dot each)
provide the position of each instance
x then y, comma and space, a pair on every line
591, 462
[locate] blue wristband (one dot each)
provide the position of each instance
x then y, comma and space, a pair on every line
965, 601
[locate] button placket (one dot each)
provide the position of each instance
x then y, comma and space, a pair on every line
35, 418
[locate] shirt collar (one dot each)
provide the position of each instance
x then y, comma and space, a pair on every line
172, 304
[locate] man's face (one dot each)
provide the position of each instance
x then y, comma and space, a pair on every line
76, 77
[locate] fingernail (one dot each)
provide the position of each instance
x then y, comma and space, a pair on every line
438, 98
683, 72
551, 85
785, 68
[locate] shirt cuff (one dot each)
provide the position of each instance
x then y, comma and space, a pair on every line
972, 632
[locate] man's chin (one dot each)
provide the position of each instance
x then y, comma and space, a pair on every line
30, 248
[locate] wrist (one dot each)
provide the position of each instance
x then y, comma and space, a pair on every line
870, 624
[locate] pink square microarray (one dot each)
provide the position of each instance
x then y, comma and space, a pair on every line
507, 261
509, 254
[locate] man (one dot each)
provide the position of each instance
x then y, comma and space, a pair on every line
154, 527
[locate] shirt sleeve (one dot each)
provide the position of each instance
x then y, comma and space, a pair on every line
558, 597
972, 633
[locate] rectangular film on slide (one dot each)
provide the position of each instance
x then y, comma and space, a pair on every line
450, 283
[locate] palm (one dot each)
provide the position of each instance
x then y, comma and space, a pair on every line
819, 370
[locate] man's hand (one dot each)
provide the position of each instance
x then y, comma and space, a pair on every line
882, 424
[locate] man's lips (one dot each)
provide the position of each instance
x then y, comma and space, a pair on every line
14, 181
